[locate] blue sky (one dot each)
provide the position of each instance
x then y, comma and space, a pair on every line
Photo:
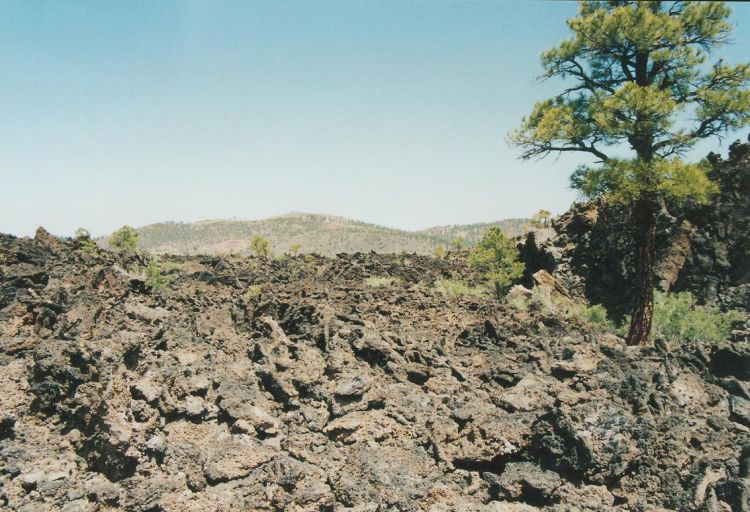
393, 112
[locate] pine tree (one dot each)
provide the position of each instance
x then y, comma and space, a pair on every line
260, 246
541, 218
497, 256
641, 81
124, 240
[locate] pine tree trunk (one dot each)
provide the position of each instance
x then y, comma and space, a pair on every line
644, 216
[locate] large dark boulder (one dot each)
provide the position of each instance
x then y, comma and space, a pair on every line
703, 249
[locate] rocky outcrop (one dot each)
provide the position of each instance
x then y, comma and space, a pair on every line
293, 385
701, 249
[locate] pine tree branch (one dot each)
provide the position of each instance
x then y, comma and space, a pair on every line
544, 149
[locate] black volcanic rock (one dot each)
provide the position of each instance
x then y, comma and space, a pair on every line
701, 249
298, 385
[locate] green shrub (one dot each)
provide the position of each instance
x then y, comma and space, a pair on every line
156, 276
458, 243
498, 258
87, 246
519, 302
544, 302
679, 317
379, 281
82, 233
253, 291
540, 219
596, 316
541, 301
439, 252
294, 249
84, 242
403, 260
260, 246
453, 289
124, 239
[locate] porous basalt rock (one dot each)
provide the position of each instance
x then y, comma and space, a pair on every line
292, 385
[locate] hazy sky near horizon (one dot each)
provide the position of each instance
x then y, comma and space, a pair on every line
392, 112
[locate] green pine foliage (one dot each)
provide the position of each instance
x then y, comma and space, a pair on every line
124, 239
157, 276
640, 76
497, 257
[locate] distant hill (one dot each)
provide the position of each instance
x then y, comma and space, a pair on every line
322, 234
472, 233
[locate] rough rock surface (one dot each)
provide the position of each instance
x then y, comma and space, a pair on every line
292, 385
701, 249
